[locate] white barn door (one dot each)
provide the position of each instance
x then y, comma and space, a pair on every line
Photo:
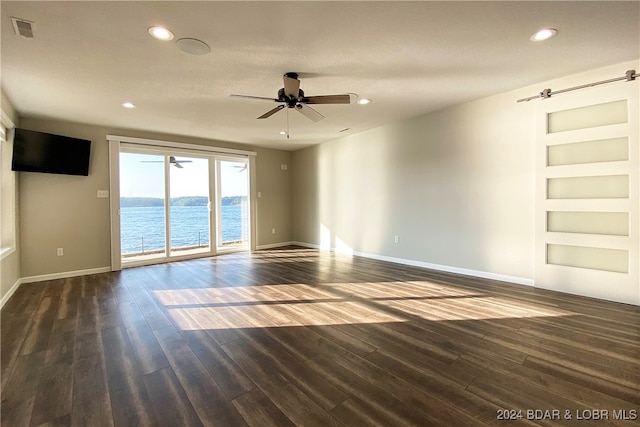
587, 219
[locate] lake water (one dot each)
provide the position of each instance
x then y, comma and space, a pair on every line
142, 228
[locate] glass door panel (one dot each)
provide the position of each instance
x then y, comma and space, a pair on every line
233, 204
142, 206
189, 206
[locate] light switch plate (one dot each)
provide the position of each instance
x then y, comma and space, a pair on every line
103, 193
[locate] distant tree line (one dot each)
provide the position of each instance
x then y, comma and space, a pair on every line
143, 202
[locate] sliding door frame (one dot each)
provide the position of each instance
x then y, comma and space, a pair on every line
118, 143
218, 202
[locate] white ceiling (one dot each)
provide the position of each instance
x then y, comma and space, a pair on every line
408, 57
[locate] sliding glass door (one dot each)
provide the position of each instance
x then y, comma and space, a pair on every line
142, 207
232, 197
171, 201
165, 205
189, 207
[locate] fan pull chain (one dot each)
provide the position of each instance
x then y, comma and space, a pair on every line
287, 123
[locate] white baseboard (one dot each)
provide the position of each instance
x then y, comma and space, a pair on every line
306, 245
11, 291
450, 269
431, 266
64, 274
274, 245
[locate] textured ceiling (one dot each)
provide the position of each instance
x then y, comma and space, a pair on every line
409, 57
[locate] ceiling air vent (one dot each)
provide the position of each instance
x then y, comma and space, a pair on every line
22, 27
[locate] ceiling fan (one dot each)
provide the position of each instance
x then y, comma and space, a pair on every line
172, 160
291, 96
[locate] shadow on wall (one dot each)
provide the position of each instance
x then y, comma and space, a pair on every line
353, 194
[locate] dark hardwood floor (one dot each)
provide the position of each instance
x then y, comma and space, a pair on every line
300, 337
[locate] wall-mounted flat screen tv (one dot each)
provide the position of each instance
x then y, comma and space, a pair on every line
48, 153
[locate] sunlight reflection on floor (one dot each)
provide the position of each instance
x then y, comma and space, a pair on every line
338, 304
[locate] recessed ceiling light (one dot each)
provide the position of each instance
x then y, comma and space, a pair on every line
282, 132
544, 34
364, 101
128, 105
161, 33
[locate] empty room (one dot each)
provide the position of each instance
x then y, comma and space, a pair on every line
320, 213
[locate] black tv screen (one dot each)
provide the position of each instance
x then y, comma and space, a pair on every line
48, 153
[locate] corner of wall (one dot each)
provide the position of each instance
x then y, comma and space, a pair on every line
10, 271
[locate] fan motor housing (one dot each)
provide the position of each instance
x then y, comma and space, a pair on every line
290, 101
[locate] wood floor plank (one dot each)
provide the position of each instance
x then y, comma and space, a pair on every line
131, 405
24, 302
231, 379
551, 383
382, 406
208, 400
272, 351
155, 316
13, 329
54, 393
91, 405
259, 411
63, 421
299, 407
170, 403
592, 367
616, 390
256, 366
145, 345
19, 392
130, 401
513, 393
415, 398
37, 338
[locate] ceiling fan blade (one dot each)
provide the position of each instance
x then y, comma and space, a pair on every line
309, 112
254, 97
183, 161
327, 99
178, 165
271, 112
291, 86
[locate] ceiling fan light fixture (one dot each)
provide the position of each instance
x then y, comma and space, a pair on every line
544, 34
364, 101
128, 105
160, 33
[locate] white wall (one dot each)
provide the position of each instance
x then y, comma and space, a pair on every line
456, 186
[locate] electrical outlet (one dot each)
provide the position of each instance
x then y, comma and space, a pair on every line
60, 251
259, 194
273, 231
396, 239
